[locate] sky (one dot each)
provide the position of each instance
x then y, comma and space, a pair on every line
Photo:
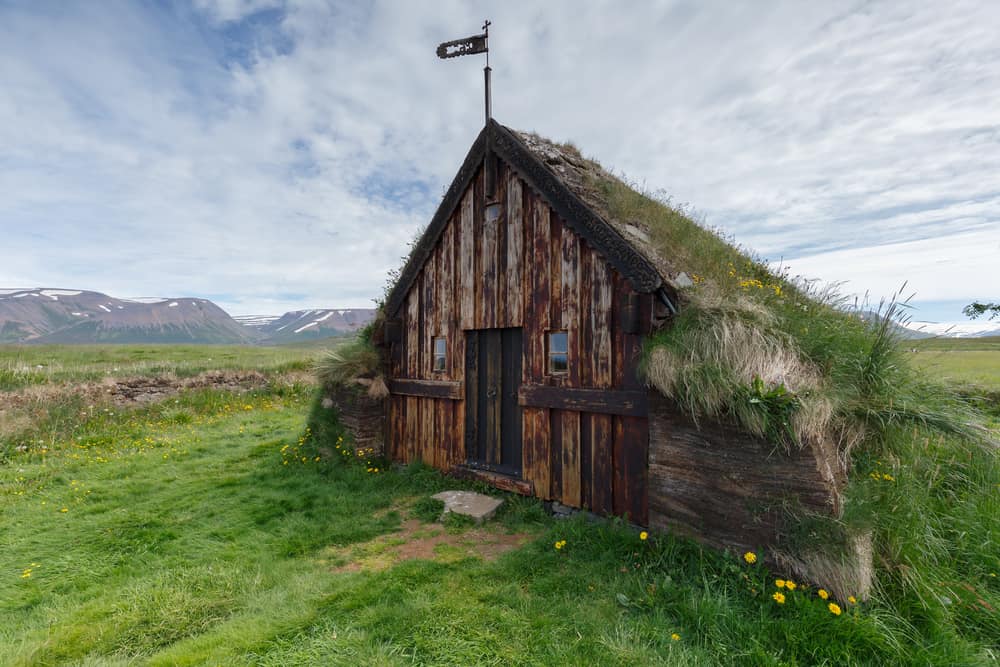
275, 155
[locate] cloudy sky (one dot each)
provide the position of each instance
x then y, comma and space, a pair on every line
274, 155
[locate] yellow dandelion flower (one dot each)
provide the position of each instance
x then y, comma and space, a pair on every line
643, 535
834, 608
65, 509
791, 585
852, 599
558, 545
26, 574
780, 583
675, 637
779, 598
822, 593
750, 557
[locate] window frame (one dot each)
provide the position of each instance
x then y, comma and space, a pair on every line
435, 355
549, 354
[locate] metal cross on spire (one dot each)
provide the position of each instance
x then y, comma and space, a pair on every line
470, 46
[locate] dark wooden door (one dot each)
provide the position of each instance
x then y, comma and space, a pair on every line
492, 415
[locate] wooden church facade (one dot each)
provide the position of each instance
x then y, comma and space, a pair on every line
515, 335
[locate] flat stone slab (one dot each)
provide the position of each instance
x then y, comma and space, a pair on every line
476, 505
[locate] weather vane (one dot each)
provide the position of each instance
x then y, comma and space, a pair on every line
471, 46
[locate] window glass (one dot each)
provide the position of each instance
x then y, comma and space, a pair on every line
558, 358
440, 355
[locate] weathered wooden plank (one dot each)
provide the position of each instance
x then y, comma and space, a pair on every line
502, 482
570, 434
607, 401
601, 317
493, 378
620, 485
555, 275
451, 389
477, 227
515, 251
532, 334
413, 334
586, 463
586, 325
446, 298
427, 436
537, 447
429, 313
570, 299
540, 297
602, 470
489, 273
458, 428
467, 276
619, 299
636, 436
500, 290
471, 417
412, 427
555, 454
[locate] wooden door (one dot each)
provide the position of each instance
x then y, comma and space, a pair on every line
492, 415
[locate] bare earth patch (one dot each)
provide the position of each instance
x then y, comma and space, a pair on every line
416, 540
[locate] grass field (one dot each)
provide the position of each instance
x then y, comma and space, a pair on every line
24, 365
965, 361
202, 529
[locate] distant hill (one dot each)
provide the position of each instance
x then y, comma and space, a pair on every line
79, 316
303, 325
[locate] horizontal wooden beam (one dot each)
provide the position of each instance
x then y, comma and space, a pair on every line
496, 480
604, 401
428, 388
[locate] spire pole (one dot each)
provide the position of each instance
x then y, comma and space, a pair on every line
487, 72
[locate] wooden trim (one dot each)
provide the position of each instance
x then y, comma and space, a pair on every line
603, 401
496, 480
427, 388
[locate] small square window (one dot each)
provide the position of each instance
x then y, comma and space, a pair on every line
557, 352
440, 355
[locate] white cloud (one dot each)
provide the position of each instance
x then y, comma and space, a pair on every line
283, 162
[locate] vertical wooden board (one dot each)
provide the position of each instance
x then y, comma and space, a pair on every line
569, 274
500, 290
427, 430
586, 465
528, 447
458, 437
411, 422
620, 463
428, 309
540, 298
585, 319
536, 451
555, 272
636, 457
413, 332
601, 321
532, 335
489, 274
602, 470
515, 251
570, 435
619, 297
446, 299
471, 417
493, 378
555, 462
477, 230
466, 251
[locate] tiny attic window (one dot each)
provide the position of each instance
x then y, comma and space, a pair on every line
557, 353
440, 356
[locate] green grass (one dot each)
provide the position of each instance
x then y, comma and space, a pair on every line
194, 533
24, 365
964, 361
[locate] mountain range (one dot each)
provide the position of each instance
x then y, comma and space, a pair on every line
42, 315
